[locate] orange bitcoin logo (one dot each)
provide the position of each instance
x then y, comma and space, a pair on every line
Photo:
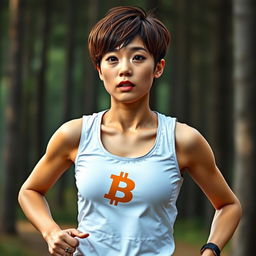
130, 185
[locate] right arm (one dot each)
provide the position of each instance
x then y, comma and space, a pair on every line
59, 156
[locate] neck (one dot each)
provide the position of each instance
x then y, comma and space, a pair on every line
130, 116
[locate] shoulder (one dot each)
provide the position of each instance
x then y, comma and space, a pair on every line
187, 137
191, 146
71, 131
66, 138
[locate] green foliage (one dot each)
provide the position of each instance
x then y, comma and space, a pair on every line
55, 85
190, 231
104, 101
12, 246
163, 96
67, 214
2, 123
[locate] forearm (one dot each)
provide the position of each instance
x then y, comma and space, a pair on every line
35, 207
224, 224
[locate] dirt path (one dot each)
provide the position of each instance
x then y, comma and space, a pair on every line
34, 240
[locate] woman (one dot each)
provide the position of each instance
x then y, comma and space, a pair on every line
128, 159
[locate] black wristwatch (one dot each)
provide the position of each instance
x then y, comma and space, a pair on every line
211, 246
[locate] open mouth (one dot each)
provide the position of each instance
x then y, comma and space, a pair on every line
125, 84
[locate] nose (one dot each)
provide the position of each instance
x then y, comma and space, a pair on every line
125, 68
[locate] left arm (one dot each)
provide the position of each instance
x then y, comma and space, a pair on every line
199, 160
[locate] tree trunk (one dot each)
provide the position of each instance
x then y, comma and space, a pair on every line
1, 36
28, 97
13, 111
245, 122
91, 76
180, 42
192, 100
219, 118
221, 128
180, 90
68, 88
41, 84
154, 5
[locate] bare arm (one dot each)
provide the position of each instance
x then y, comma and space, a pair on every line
58, 158
196, 156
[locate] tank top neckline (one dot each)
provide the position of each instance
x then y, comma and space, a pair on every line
149, 153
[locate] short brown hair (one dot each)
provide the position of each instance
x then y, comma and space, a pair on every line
120, 26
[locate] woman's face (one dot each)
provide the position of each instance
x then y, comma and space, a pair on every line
128, 72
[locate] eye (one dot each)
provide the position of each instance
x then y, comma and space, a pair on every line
112, 59
139, 58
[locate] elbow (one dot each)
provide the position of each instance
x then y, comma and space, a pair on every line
235, 209
21, 195
26, 195
237, 212
239, 209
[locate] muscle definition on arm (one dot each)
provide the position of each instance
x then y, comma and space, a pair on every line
57, 159
197, 157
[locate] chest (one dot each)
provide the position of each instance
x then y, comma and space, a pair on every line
116, 183
128, 144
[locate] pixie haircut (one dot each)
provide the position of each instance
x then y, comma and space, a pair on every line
120, 26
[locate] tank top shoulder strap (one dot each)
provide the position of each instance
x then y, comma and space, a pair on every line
89, 131
168, 128
168, 132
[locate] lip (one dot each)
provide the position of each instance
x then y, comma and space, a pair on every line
124, 84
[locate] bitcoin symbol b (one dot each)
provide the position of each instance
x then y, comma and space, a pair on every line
115, 187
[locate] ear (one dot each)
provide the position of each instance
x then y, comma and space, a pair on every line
159, 69
99, 71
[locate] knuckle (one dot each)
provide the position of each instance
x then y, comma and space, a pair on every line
62, 235
54, 244
75, 243
55, 247
58, 242
51, 251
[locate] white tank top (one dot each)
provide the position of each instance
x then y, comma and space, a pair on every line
127, 205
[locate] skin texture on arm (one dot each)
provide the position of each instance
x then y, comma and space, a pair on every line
59, 156
195, 155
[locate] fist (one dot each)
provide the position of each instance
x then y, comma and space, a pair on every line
64, 242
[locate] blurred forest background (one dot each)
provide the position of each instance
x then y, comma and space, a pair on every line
46, 78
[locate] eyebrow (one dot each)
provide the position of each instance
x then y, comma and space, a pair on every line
133, 49
138, 48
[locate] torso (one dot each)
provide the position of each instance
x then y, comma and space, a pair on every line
145, 161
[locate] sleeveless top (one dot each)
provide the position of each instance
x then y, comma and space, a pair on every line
127, 205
